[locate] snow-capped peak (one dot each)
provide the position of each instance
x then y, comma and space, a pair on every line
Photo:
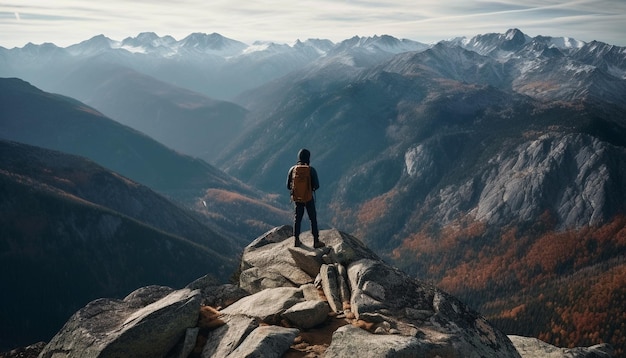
214, 44
93, 46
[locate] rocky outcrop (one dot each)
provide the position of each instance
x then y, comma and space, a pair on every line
576, 177
147, 323
568, 174
534, 348
398, 313
337, 301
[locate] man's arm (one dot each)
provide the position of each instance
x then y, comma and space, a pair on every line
315, 182
289, 179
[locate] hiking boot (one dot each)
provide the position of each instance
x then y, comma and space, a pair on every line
297, 242
317, 243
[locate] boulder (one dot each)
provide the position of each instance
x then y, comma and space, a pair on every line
147, 323
275, 235
215, 294
343, 248
184, 348
307, 314
342, 283
328, 274
535, 348
383, 293
266, 342
312, 293
266, 263
271, 260
30, 351
309, 260
256, 279
267, 305
222, 341
350, 341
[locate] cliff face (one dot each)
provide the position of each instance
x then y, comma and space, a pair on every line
337, 301
576, 177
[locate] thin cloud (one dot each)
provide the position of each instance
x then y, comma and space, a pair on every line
65, 22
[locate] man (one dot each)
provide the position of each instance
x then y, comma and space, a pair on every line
302, 182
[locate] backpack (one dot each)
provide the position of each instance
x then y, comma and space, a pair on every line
301, 191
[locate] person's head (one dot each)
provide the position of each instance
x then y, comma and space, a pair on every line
304, 156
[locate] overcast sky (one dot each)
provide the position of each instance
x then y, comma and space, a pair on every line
66, 22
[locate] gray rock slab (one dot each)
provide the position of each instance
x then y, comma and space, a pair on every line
309, 260
266, 342
186, 346
223, 340
257, 279
380, 291
266, 305
342, 283
307, 314
330, 286
349, 341
535, 348
215, 294
266, 263
275, 235
310, 292
114, 328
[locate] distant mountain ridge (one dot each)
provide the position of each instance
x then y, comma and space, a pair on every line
206, 63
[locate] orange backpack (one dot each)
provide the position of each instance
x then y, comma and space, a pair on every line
301, 191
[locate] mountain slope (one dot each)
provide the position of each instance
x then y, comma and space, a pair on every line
186, 121
75, 231
38, 118
547, 68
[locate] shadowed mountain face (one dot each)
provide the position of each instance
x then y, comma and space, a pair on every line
39, 118
72, 231
185, 121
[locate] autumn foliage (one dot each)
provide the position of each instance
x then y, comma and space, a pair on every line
567, 287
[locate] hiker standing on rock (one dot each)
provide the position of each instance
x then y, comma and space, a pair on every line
302, 182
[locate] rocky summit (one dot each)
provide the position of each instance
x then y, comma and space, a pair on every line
340, 300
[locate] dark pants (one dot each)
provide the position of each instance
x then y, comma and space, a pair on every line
299, 213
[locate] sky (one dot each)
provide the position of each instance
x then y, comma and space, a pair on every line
67, 22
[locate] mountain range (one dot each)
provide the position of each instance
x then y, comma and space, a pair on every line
493, 166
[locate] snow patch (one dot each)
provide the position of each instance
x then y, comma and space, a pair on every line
566, 43
579, 68
133, 49
257, 47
